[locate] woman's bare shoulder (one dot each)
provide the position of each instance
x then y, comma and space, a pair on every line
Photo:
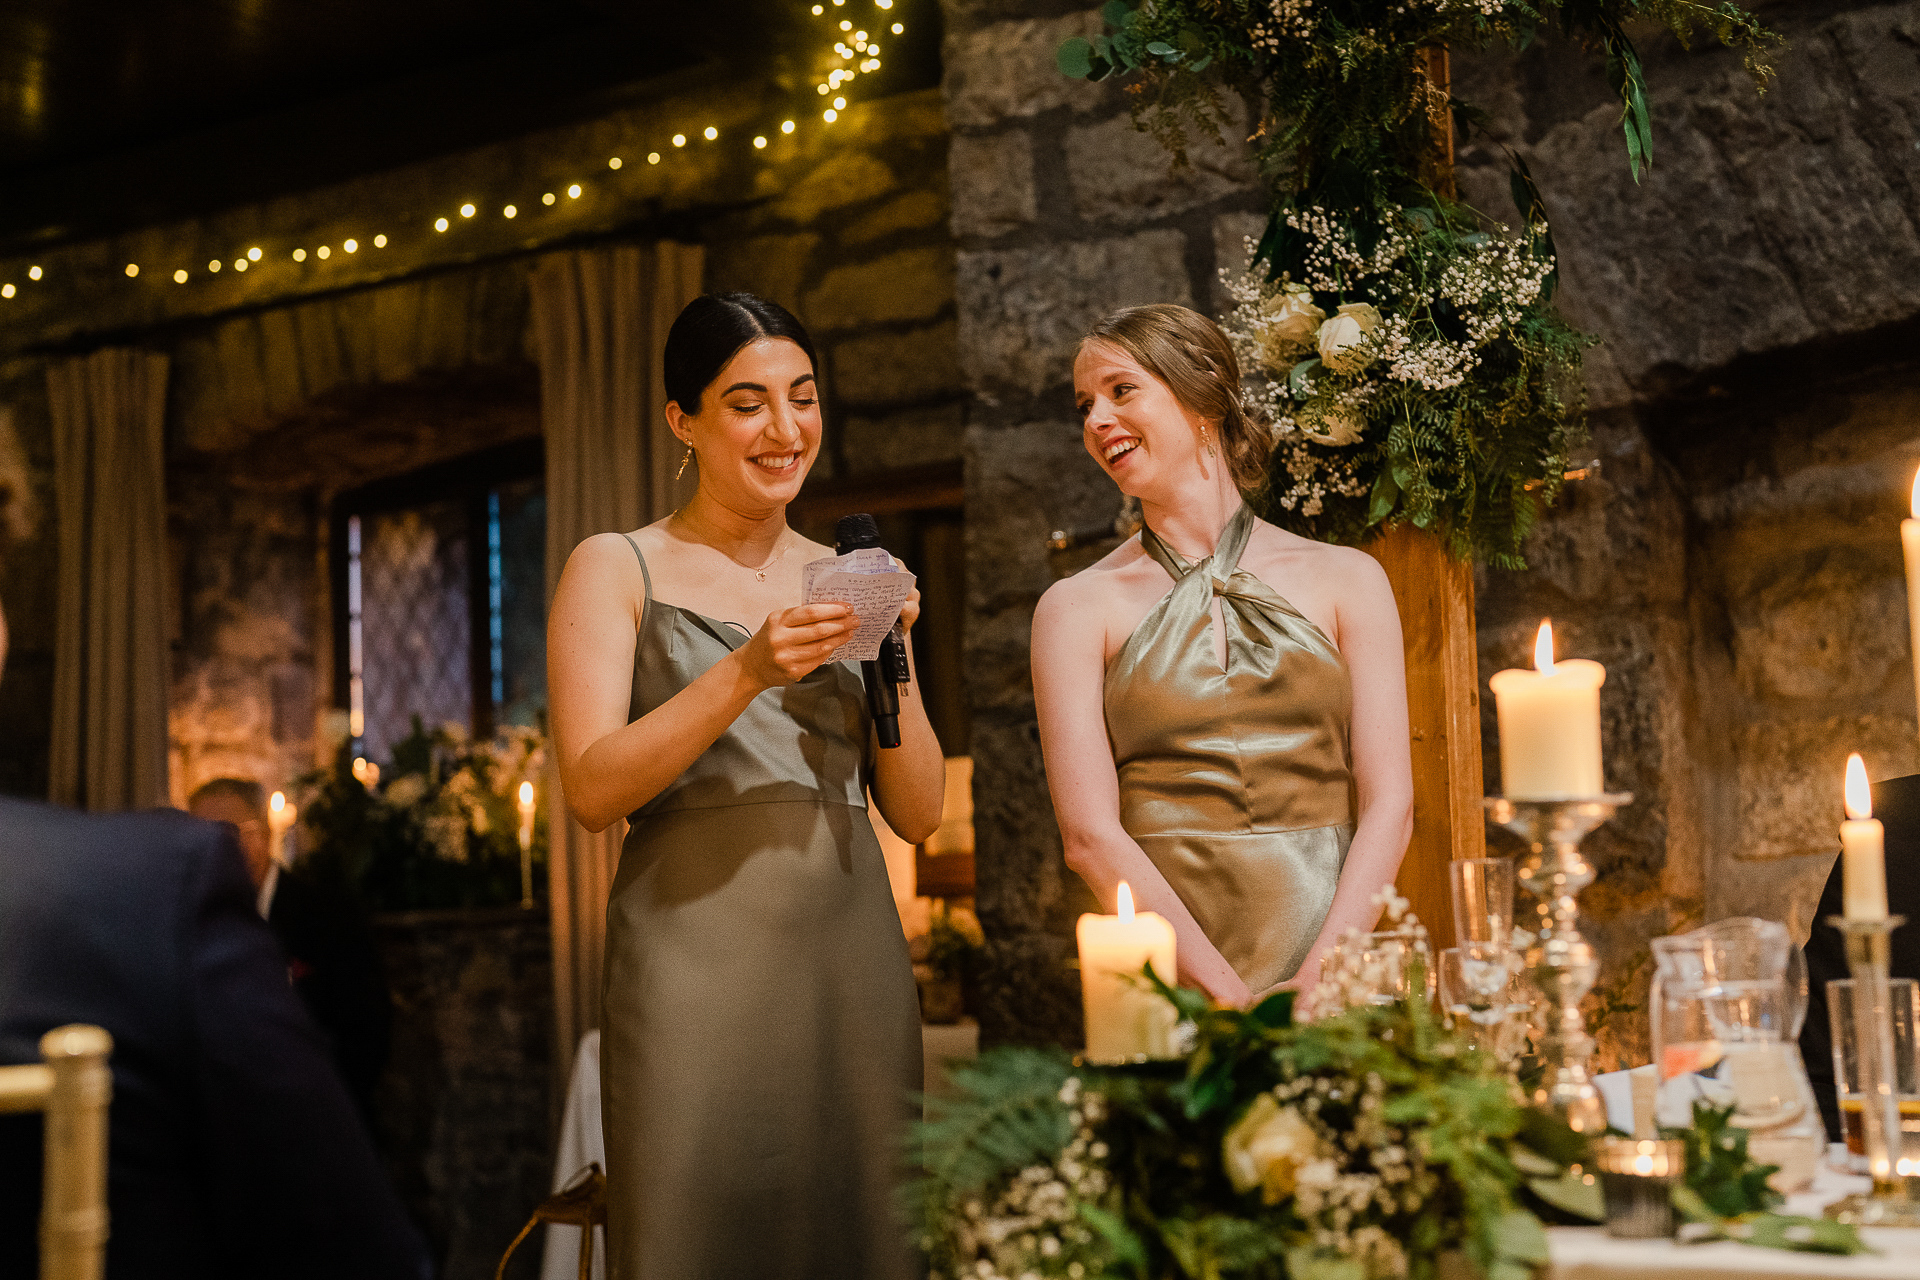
1116, 570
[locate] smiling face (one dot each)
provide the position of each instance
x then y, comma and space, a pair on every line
1132, 423
758, 429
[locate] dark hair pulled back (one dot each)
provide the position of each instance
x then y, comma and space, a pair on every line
711, 330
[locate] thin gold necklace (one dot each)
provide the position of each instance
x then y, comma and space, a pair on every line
761, 572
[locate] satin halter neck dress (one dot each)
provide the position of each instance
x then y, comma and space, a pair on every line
761, 1030
1238, 782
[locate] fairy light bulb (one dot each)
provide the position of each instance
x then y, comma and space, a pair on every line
467, 211
299, 255
899, 28
351, 246
653, 157
710, 133
573, 192
615, 162
679, 139
379, 242
509, 212
7, 290
33, 273
214, 266
253, 255
440, 224
829, 115
179, 277
133, 269
786, 126
548, 198
759, 142
240, 264
323, 253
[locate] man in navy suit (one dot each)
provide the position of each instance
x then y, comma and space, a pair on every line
233, 1148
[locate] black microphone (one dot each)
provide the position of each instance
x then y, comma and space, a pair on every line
854, 533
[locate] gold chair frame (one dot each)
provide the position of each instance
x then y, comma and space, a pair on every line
73, 1086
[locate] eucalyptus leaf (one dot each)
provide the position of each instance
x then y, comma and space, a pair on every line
1385, 494
1161, 48
1297, 379
1075, 58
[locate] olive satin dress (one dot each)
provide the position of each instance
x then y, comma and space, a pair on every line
1237, 783
761, 1032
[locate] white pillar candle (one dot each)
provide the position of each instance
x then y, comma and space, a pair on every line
1550, 726
1910, 545
1126, 1018
1862, 849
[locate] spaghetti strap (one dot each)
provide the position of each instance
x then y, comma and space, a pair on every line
647, 577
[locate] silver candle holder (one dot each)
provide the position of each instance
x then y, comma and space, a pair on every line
1869, 951
1560, 962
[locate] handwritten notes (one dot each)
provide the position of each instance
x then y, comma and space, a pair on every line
868, 581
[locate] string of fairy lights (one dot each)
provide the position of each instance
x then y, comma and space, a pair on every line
855, 51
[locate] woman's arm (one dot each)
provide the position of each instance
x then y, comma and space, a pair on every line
1368, 626
910, 780
608, 767
1069, 664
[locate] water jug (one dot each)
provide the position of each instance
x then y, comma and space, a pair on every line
1726, 1004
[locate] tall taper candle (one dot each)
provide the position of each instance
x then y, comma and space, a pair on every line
1910, 545
1862, 849
1550, 726
280, 819
526, 844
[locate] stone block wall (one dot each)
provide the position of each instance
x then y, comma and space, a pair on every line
1734, 560
1062, 213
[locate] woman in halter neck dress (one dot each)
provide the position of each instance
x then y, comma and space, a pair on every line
1222, 703
760, 1030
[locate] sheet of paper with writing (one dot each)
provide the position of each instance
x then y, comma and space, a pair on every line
868, 581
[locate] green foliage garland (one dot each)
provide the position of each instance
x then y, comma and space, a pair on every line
1349, 135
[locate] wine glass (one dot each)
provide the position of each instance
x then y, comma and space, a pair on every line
1474, 982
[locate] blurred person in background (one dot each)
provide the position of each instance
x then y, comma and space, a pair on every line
232, 1145
331, 957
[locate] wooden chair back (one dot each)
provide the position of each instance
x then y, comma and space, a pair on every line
73, 1086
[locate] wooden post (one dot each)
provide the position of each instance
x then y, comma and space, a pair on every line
1435, 595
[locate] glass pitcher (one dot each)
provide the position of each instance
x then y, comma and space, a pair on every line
1726, 1003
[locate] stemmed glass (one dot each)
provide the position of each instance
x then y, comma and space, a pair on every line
1474, 984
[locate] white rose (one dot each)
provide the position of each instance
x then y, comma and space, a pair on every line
1292, 322
1331, 424
1266, 1148
1346, 330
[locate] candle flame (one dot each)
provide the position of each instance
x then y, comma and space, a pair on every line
1859, 794
1126, 901
1913, 503
278, 802
1543, 648
359, 769
526, 793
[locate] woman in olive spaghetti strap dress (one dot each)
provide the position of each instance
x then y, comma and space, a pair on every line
1222, 704
760, 1032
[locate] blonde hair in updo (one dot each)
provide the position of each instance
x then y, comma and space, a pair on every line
1188, 352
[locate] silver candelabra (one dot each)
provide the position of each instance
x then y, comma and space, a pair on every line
1560, 962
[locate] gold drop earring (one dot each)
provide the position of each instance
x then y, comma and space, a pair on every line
688, 457
1207, 440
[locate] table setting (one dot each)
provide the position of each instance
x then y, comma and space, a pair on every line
1430, 1110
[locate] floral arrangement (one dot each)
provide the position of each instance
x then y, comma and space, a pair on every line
1405, 344
1362, 1145
439, 829
944, 959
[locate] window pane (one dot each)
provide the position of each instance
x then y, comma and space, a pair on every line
522, 675
415, 627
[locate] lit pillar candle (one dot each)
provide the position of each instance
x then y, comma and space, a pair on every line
526, 844
1863, 849
1126, 1017
280, 820
1550, 726
1910, 545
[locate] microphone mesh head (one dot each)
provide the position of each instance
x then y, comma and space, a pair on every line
854, 532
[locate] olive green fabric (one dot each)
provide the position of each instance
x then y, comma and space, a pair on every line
761, 1029
1237, 783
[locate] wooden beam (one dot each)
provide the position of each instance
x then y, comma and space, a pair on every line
1434, 593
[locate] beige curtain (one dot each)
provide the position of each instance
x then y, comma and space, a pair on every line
110, 645
600, 321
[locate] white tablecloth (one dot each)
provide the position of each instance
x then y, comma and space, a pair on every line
581, 1144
